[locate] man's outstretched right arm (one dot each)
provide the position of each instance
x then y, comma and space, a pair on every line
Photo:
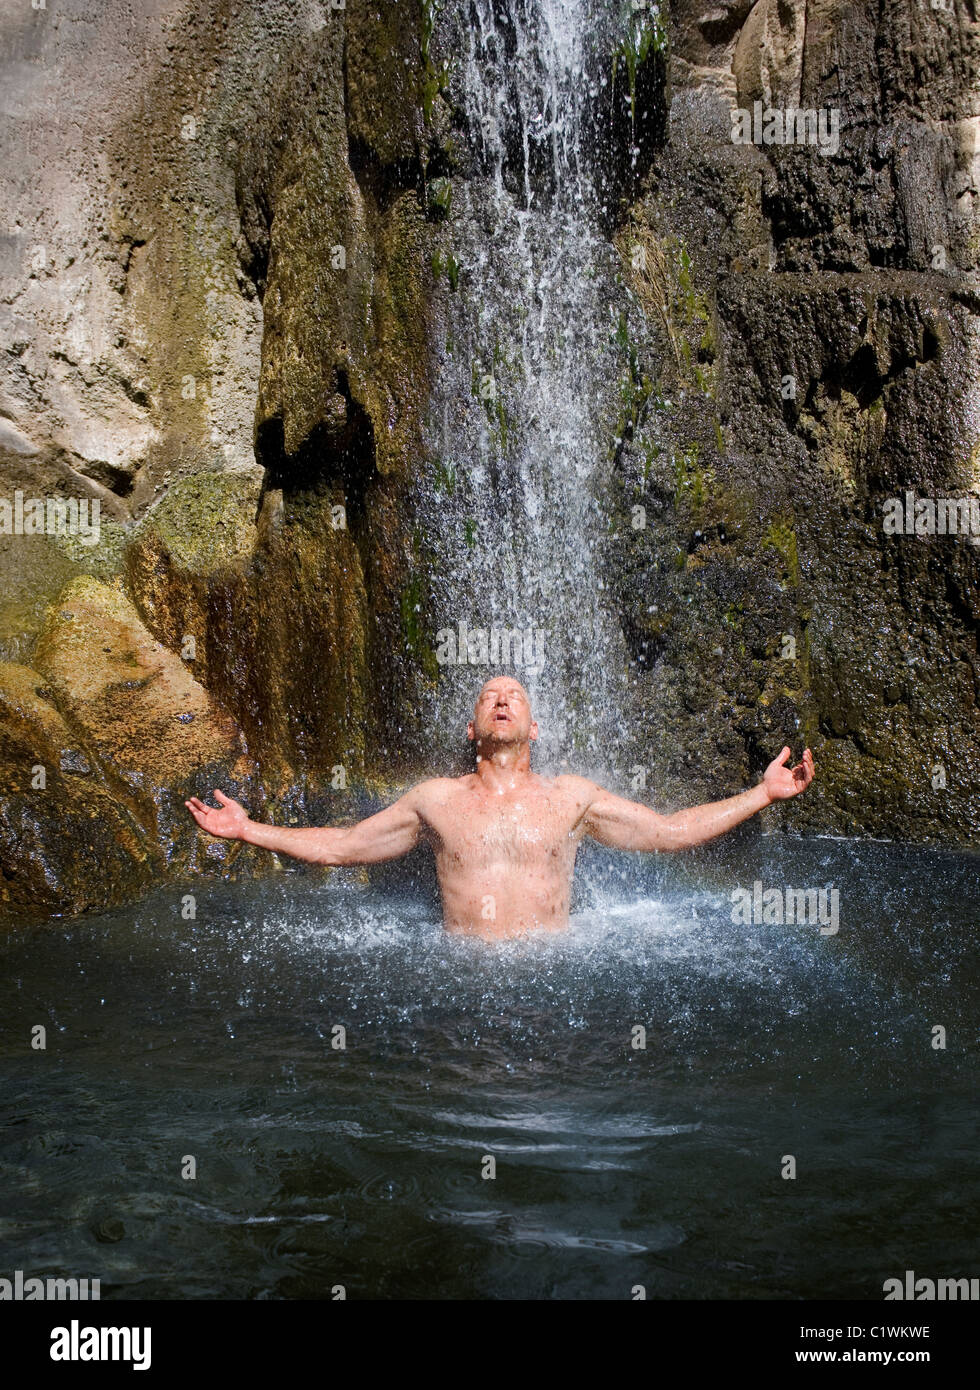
387, 835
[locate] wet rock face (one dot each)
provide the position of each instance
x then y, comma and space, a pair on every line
101, 742
766, 602
148, 721
66, 843
340, 174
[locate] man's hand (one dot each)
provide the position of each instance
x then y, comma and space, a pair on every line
782, 782
228, 821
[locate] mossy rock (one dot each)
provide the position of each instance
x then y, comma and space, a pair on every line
204, 526
34, 570
205, 520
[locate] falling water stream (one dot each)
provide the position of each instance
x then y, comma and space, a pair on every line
520, 415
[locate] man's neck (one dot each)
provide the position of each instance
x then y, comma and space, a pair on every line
501, 767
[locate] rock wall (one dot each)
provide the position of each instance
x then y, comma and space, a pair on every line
817, 315
216, 289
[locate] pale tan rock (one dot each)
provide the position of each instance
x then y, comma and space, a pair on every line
768, 61
135, 702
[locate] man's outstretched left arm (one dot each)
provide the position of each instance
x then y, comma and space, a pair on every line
622, 824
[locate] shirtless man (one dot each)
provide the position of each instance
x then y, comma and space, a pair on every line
505, 838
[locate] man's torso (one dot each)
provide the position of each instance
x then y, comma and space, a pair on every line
504, 859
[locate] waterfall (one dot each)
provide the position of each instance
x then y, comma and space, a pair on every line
524, 406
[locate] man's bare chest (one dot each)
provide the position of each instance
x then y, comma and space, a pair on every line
478, 830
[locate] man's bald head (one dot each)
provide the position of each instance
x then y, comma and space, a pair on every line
504, 681
502, 713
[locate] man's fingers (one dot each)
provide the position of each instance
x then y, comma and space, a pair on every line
199, 811
803, 772
194, 803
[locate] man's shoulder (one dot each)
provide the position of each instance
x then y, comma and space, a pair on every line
580, 787
574, 782
438, 788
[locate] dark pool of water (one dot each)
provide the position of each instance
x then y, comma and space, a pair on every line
615, 1166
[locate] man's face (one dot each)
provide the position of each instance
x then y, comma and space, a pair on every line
502, 713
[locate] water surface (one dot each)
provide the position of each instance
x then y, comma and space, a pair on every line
615, 1166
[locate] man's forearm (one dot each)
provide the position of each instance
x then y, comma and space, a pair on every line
315, 845
701, 823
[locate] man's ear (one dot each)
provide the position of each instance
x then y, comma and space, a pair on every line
533, 731
470, 731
